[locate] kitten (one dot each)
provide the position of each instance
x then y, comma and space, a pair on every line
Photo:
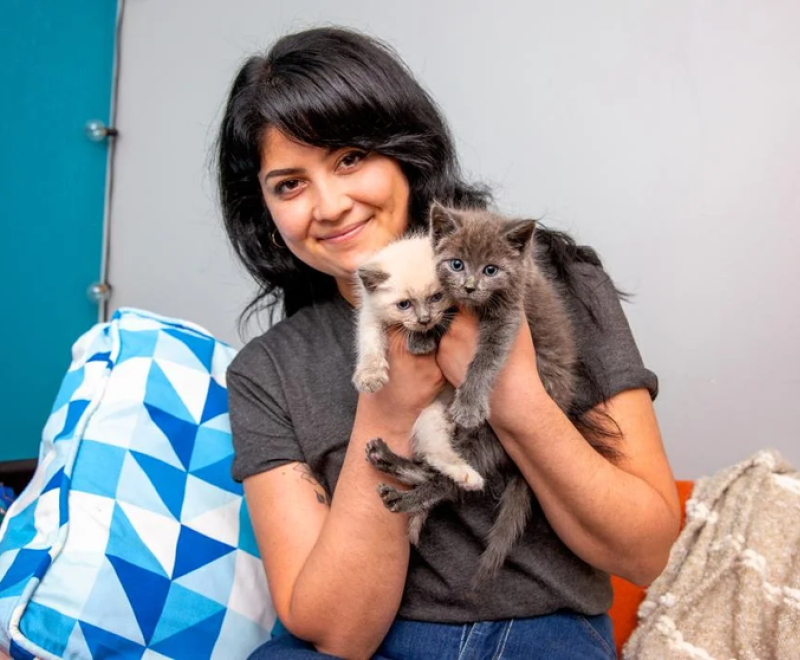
398, 287
488, 264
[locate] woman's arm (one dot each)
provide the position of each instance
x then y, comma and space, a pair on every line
619, 518
337, 569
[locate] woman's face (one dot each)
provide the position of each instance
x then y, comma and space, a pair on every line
332, 209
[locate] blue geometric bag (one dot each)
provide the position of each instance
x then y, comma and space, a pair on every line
132, 540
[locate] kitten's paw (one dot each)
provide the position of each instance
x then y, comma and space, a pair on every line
411, 472
379, 455
392, 498
466, 477
371, 377
469, 415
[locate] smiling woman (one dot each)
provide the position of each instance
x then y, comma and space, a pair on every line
328, 151
333, 208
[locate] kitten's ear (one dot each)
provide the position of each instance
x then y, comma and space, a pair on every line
518, 234
372, 277
442, 222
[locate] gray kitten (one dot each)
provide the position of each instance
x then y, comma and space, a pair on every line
488, 264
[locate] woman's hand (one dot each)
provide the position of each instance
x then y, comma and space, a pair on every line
414, 382
459, 344
518, 380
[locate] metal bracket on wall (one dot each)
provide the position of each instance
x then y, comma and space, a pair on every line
97, 131
99, 292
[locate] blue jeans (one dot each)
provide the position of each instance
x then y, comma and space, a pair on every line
561, 635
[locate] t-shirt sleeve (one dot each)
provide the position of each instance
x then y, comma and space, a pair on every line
263, 435
606, 346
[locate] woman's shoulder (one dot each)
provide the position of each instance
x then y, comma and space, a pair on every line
576, 269
298, 337
605, 339
589, 292
594, 286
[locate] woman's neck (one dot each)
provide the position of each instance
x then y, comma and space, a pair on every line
347, 290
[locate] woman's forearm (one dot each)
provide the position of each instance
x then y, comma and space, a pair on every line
348, 592
612, 518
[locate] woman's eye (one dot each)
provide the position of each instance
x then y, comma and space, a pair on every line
286, 187
404, 304
457, 265
436, 297
352, 158
491, 271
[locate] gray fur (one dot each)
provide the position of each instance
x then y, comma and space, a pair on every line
372, 277
479, 239
422, 343
513, 516
410, 471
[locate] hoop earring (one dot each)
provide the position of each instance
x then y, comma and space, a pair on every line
275, 240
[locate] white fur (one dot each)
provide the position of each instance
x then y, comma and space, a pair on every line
412, 271
433, 433
372, 369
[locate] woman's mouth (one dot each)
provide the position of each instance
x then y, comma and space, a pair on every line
346, 234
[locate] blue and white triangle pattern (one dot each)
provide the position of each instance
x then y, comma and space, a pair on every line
132, 540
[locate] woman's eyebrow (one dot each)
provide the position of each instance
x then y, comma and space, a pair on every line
283, 172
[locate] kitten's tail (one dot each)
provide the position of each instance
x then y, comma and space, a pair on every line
513, 516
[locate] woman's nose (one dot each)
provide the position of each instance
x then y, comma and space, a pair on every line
332, 201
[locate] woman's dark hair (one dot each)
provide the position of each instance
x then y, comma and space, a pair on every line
331, 88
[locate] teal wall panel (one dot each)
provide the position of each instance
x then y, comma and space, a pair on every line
56, 68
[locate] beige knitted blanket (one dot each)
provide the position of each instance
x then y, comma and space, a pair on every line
731, 588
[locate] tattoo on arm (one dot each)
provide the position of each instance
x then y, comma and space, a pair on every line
306, 475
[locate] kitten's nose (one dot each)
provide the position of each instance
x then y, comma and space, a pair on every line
469, 285
424, 320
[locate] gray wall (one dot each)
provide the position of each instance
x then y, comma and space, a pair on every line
663, 134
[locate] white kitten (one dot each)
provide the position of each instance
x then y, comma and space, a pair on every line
398, 288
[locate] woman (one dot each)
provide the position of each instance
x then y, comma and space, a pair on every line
328, 150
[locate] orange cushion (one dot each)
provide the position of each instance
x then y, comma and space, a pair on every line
627, 596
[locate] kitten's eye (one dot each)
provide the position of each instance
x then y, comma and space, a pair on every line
436, 297
404, 305
457, 265
491, 271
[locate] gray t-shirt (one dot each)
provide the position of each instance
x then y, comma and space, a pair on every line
291, 399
